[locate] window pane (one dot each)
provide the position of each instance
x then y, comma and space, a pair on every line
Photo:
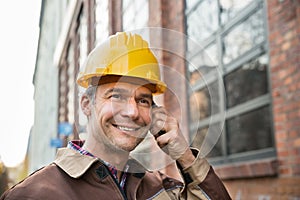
230, 8
205, 102
244, 37
217, 150
205, 61
203, 21
101, 13
248, 82
83, 42
135, 14
83, 38
210, 145
190, 3
250, 131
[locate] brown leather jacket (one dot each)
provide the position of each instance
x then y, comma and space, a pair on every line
73, 176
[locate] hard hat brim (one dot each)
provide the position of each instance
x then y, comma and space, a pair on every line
156, 87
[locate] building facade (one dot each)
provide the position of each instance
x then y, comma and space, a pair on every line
234, 83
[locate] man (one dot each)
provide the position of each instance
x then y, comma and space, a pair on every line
121, 76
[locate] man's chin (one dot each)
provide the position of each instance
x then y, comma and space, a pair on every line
125, 142
128, 148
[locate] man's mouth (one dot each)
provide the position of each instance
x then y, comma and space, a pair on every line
125, 128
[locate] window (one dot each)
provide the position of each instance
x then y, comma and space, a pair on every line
73, 57
71, 84
135, 14
101, 18
83, 40
83, 37
230, 101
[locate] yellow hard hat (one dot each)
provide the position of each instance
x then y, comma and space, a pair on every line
124, 55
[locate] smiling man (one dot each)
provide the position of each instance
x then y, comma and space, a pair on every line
121, 76
119, 119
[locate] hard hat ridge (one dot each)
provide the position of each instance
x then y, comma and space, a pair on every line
131, 41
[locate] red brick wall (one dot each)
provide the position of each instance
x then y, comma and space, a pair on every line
284, 44
115, 16
264, 188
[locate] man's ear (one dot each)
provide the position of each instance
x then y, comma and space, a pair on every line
85, 103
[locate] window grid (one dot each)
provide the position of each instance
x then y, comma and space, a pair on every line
135, 14
101, 20
235, 19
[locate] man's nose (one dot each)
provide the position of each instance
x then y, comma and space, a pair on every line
131, 109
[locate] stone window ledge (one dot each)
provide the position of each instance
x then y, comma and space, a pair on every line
249, 169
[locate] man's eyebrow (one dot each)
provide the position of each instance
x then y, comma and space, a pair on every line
111, 90
146, 95
121, 90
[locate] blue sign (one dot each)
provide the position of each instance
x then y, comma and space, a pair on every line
56, 142
65, 128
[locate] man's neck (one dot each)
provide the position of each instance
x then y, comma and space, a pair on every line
116, 157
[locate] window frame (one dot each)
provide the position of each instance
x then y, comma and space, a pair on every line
225, 69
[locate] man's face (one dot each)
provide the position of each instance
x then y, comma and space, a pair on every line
123, 113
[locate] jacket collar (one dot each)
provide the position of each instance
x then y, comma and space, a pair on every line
72, 162
76, 164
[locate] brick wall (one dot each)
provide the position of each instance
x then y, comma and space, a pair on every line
284, 44
265, 188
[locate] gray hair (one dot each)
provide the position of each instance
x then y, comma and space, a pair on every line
90, 92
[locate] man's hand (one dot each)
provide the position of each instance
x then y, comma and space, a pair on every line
170, 139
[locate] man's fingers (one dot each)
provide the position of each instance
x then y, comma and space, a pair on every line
166, 131
157, 127
159, 118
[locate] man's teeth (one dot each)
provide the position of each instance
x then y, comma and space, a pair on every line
123, 128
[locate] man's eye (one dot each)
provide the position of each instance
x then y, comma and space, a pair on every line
145, 102
116, 96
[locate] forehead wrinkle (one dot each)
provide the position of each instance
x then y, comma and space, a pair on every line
114, 89
124, 89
